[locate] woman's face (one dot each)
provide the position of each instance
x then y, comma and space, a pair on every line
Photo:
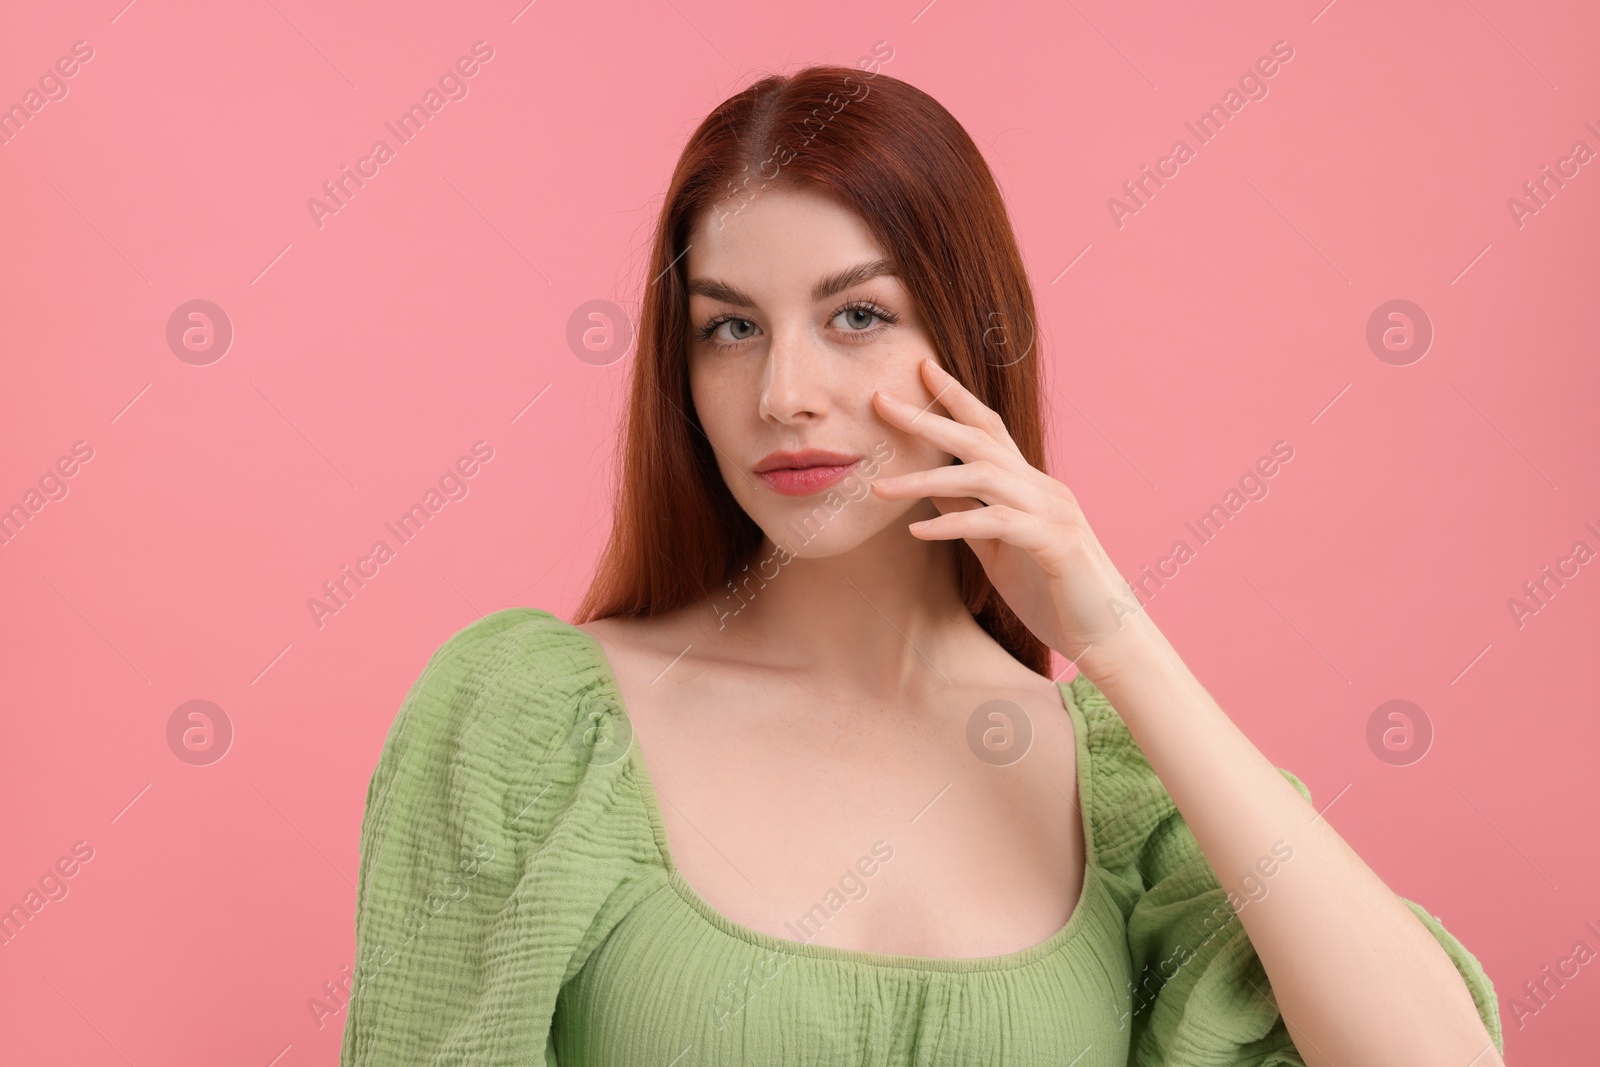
791, 330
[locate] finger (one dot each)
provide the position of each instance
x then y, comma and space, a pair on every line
981, 480
958, 439
961, 403
997, 522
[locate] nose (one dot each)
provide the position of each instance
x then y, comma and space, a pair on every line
793, 385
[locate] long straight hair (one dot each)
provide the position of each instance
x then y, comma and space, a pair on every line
911, 172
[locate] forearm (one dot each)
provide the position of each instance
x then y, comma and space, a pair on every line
1358, 979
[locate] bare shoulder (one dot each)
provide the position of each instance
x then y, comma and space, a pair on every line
1010, 679
633, 643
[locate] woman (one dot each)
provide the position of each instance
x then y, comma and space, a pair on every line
872, 830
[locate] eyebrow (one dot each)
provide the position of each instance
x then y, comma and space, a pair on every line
834, 283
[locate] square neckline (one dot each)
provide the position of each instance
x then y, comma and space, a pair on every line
1022, 957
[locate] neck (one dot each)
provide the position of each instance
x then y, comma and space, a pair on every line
885, 618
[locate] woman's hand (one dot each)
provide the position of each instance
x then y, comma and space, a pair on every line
1024, 526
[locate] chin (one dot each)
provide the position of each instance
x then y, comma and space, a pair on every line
809, 530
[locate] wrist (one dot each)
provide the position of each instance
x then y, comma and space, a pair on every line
1136, 648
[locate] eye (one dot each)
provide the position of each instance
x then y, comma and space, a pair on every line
859, 320
712, 331
856, 317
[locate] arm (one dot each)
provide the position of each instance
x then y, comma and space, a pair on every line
493, 850
1358, 978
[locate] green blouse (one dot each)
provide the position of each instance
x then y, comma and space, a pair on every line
517, 904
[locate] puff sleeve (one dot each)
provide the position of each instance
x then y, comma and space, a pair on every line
495, 852
1201, 997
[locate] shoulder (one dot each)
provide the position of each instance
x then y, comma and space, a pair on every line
661, 636
507, 644
510, 686
500, 845
1135, 823
518, 652
510, 726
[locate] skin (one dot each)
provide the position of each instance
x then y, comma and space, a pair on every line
832, 708
833, 726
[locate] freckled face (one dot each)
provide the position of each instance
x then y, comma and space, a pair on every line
785, 350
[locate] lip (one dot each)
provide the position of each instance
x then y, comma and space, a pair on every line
805, 472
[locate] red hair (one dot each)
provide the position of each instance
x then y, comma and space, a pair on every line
911, 172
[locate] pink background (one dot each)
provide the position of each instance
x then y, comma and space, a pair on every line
369, 354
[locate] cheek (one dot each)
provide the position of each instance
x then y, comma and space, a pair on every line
911, 452
901, 378
725, 417
715, 405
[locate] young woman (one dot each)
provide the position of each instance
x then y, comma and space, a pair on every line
796, 787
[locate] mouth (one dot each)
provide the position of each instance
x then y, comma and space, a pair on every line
804, 473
